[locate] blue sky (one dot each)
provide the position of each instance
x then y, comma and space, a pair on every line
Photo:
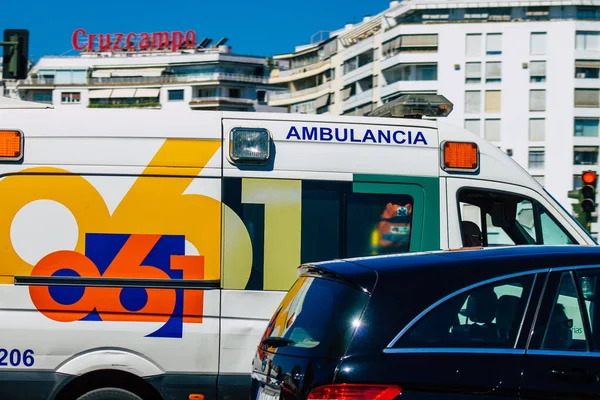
259, 27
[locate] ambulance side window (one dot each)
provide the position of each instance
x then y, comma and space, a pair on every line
510, 220
378, 224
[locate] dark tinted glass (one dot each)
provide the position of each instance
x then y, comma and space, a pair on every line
487, 316
318, 316
564, 330
378, 224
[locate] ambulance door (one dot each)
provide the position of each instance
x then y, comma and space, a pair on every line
404, 216
488, 214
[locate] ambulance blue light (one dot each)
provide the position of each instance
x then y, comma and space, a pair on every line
415, 106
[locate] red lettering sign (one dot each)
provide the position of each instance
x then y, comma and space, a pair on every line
82, 41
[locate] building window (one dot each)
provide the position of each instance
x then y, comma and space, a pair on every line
493, 101
261, 96
585, 40
492, 130
537, 13
577, 182
42, 97
537, 43
473, 126
176, 95
427, 43
537, 100
585, 155
473, 72
70, 98
587, 127
537, 129
307, 107
587, 13
493, 71
537, 71
494, 43
473, 102
587, 98
536, 158
473, 44
235, 93
585, 69
411, 72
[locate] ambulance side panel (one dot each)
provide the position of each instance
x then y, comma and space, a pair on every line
122, 210
309, 203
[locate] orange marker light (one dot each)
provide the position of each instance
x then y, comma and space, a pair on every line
11, 145
196, 396
460, 156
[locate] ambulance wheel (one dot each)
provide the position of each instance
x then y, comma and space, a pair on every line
109, 394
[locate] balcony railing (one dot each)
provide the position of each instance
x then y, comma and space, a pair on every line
298, 93
163, 79
219, 99
302, 69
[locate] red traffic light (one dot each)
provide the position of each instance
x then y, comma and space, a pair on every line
589, 178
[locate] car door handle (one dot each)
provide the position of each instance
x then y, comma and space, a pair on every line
573, 375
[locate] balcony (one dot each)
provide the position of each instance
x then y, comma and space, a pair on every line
219, 101
358, 74
409, 86
408, 58
152, 80
358, 48
287, 98
301, 72
358, 99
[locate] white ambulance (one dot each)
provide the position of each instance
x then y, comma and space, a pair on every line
142, 252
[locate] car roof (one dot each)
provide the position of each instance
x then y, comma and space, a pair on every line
536, 255
496, 262
404, 285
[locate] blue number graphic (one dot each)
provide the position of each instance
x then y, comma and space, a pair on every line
3, 354
16, 357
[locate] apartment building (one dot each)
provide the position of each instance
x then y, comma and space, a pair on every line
522, 74
199, 77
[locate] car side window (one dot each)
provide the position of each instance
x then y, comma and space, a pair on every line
564, 330
486, 316
493, 218
588, 282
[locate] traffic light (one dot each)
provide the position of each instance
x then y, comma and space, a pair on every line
588, 192
15, 54
586, 199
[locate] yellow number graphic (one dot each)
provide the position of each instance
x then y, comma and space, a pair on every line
152, 205
282, 237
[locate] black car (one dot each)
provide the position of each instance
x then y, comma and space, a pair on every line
518, 322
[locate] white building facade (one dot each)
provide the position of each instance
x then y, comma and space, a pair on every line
524, 75
199, 78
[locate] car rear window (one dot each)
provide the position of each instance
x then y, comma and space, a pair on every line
317, 317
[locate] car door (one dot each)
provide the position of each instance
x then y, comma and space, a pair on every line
472, 343
562, 360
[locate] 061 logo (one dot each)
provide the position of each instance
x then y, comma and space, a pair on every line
139, 256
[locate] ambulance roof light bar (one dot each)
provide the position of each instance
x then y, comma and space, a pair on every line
415, 106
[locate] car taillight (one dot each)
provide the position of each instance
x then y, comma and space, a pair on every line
348, 391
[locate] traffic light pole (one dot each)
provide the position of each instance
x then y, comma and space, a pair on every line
15, 54
12, 63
